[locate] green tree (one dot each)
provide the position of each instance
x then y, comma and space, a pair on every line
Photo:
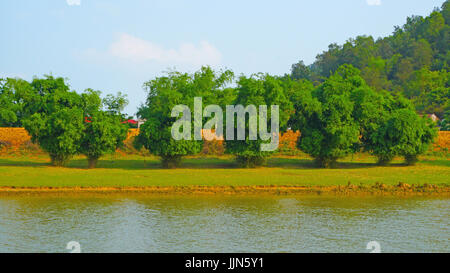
58, 133
173, 89
372, 111
404, 134
430, 91
444, 123
259, 89
295, 90
15, 95
325, 119
446, 11
422, 53
8, 108
115, 104
54, 118
375, 74
103, 131
300, 71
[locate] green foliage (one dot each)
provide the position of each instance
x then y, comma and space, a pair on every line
65, 123
414, 61
155, 135
372, 110
444, 123
344, 115
325, 119
405, 134
173, 89
430, 91
295, 91
259, 89
49, 95
375, 74
103, 131
58, 133
300, 71
15, 95
115, 104
54, 118
8, 109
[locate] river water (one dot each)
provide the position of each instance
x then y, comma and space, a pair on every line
127, 223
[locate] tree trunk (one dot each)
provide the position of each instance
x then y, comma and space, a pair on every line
384, 160
326, 162
92, 162
59, 160
411, 160
170, 162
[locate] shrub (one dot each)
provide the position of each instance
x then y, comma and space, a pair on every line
404, 134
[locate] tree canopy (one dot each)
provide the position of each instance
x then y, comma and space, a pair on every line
325, 118
9, 108
103, 130
413, 61
256, 90
175, 88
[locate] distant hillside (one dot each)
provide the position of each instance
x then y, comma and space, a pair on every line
413, 61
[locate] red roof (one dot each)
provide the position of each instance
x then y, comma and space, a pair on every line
131, 121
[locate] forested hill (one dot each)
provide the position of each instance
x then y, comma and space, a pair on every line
413, 61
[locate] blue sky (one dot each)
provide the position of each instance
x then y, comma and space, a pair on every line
117, 45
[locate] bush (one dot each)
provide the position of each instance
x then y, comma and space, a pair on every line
250, 161
404, 134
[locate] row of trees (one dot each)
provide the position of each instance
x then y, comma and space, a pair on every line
413, 61
63, 122
343, 115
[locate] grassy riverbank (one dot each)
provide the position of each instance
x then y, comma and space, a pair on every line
209, 174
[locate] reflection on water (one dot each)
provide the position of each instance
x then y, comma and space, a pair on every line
224, 224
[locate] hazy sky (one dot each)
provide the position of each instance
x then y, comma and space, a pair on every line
117, 45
